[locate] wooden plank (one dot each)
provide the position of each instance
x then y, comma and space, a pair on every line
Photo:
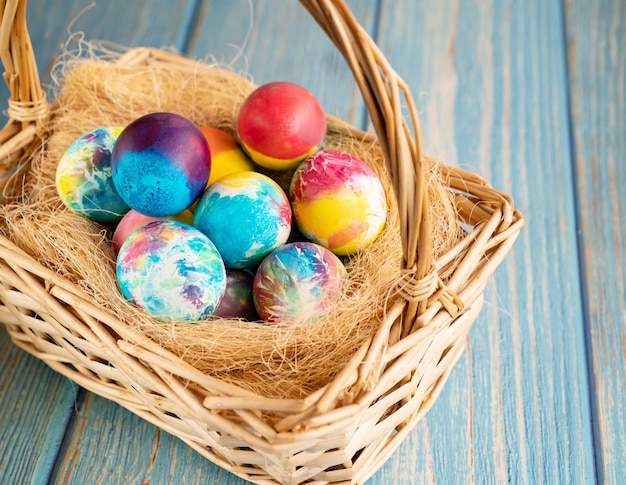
131, 23
279, 41
35, 402
107, 444
35, 406
490, 80
596, 36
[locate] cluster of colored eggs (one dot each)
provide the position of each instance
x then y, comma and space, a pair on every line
198, 231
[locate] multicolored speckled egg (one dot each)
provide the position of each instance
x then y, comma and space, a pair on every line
280, 124
171, 270
338, 201
298, 282
161, 163
237, 301
246, 215
133, 219
83, 177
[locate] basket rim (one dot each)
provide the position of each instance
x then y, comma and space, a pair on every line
489, 210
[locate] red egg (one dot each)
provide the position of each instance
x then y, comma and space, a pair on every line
280, 124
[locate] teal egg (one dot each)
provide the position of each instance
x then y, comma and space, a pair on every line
246, 215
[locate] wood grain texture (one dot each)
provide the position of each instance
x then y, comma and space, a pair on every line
491, 83
142, 22
271, 40
106, 444
490, 80
596, 36
35, 407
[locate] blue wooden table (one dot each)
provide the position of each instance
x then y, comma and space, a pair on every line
529, 94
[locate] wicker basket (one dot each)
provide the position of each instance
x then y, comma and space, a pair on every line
345, 431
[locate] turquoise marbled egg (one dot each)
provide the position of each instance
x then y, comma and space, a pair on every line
246, 215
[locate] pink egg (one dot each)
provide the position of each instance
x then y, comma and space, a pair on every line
133, 219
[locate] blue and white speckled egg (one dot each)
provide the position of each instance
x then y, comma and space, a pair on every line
246, 215
171, 270
160, 164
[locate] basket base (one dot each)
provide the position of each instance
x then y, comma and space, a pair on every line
382, 426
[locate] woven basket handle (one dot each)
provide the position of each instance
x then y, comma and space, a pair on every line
27, 103
385, 93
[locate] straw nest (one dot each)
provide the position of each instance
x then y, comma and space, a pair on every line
96, 90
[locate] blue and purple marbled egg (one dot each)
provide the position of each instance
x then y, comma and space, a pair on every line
171, 270
83, 177
161, 164
246, 215
298, 282
237, 301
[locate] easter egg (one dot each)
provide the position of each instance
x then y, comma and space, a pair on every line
299, 281
226, 154
83, 177
171, 270
161, 163
246, 215
237, 301
338, 201
133, 219
280, 124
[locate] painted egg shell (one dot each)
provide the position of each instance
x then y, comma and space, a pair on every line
237, 301
246, 215
226, 154
83, 177
171, 270
133, 219
280, 124
161, 163
338, 201
298, 282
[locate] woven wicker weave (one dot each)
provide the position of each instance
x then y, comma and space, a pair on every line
345, 431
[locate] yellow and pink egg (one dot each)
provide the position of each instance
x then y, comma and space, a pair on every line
338, 201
